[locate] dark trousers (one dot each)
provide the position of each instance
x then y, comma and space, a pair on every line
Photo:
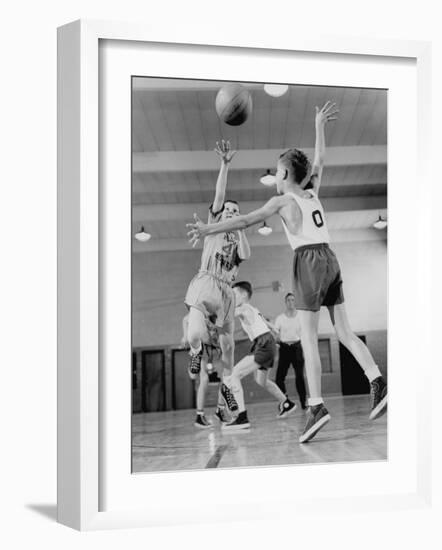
291, 354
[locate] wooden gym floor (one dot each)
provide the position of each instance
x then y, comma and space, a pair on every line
167, 441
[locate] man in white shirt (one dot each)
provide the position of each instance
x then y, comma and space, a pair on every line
288, 332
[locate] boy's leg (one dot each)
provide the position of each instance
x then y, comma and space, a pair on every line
282, 368
196, 329
298, 365
245, 367
355, 345
201, 420
309, 339
317, 415
196, 335
225, 366
262, 378
361, 353
227, 345
286, 406
202, 387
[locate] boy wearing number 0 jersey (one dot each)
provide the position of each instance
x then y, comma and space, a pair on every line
317, 277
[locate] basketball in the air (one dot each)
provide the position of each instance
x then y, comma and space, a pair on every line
233, 104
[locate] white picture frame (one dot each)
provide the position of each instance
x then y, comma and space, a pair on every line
80, 295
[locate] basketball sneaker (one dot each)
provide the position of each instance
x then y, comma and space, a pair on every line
221, 414
214, 378
228, 397
317, 417
202, 422
286, 408
195, 362
378, 394
241, 422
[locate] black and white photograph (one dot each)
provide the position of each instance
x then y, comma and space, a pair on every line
258, 273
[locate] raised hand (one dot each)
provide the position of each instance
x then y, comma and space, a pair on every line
197, 230
224, 151
326, 113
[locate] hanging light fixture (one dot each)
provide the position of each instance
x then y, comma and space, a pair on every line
380, 223
276, 90
265, 230
142, 236
268, 179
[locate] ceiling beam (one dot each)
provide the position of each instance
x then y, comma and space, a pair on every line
153, 212
275, 239
257, 193
185, 161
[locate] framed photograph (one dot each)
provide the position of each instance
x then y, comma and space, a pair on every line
232, 224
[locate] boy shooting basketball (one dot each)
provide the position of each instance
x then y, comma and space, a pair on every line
259, 361
210, 294
316, 272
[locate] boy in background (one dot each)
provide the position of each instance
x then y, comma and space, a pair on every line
259, 361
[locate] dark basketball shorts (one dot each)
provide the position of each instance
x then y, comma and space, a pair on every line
263, 350
317, 279
213, 297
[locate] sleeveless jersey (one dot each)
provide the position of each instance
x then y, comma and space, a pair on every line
252, 321
220, 253
314, 227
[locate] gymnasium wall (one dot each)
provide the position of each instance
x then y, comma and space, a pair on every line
160, 280
178, 389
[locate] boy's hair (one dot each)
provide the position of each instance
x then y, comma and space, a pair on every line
296, 163
223, 206
288, 294
246, 286
234, 202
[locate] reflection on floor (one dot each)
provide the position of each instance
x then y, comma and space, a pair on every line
168, 441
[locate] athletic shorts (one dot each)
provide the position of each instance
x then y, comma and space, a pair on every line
317, 278
263, 350
213, 297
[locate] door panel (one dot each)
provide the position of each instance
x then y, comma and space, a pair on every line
153, 381
353, 379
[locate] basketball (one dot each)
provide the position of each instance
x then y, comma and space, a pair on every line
233, 104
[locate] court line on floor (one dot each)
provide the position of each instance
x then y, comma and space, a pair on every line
214, 460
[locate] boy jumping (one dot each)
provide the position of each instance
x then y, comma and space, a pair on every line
316, 272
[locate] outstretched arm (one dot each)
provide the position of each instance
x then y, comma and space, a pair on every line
243, 246
223, 150
277, 325
272, 328
199, 230
324, 115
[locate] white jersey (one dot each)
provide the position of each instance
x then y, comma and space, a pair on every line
313, 225
252, 321
220, 255
288, 328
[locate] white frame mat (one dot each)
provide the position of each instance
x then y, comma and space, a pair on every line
85, 474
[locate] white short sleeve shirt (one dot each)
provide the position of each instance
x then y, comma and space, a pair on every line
288, 328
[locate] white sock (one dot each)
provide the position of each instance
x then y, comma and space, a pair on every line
313, 401
372, 372
195, 351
